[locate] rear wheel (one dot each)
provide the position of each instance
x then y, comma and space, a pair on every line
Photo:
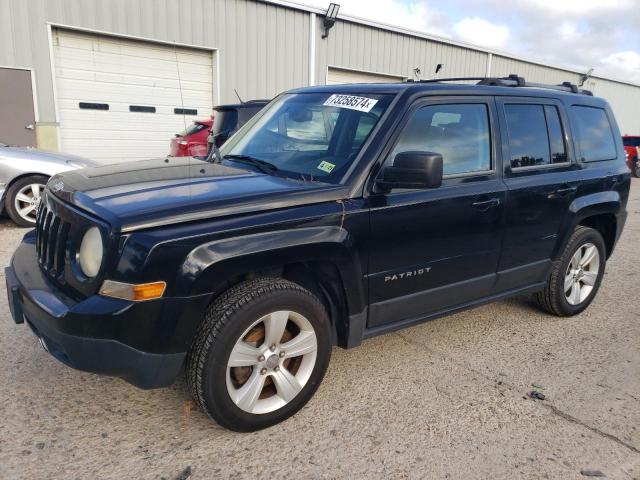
576, 276
23, 199
260, 354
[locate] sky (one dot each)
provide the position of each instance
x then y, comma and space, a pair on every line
581, 34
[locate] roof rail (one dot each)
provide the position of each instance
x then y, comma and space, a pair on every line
514, 81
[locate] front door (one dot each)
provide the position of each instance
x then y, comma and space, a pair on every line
17, 116
434, 249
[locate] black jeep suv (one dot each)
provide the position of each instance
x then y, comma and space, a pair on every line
335, 214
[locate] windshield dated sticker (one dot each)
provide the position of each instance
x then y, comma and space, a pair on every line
362, 104
326, 166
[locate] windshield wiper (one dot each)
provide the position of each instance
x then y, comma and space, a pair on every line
262, 165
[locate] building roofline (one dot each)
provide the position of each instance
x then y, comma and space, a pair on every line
435, 38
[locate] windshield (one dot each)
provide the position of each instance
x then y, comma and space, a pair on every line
310, 136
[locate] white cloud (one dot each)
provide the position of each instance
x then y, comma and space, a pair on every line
580, 7
624, 65
481, 32
579, 34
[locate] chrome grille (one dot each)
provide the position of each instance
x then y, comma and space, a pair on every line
52, 235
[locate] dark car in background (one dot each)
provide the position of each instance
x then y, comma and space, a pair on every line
229, 118
632, 150
192, 141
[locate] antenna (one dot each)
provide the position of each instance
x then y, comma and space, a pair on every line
238, 95
585, 76
184, 116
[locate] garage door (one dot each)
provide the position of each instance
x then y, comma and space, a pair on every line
337, 75
122, 99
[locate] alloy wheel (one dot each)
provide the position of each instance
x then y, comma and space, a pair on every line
271, 362
27, 201
581, 274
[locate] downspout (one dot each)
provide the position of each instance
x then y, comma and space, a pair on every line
312, 49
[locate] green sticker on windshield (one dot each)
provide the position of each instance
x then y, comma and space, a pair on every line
326, 166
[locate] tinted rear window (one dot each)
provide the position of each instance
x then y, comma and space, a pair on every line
192, 129
245, 114
225, 121
631, 142
528, 136
593, 133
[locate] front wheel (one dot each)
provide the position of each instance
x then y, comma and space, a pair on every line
575, 276
260, 354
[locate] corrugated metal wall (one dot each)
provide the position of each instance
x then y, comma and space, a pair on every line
264, 48
361, 47
624, 100
503, 66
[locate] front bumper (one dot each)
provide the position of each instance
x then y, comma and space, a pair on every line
144, 343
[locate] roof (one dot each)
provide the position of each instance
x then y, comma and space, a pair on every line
444, 89
436, 38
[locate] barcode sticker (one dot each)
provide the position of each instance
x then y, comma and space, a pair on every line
352, 102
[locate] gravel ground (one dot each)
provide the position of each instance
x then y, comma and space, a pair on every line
447, 399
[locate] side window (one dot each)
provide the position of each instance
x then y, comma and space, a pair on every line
556, 135
459, 132
535, 135
593, 133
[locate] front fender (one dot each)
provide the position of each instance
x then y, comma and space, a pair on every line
208, 267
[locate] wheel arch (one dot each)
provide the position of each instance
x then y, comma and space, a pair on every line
598, 211
320, 259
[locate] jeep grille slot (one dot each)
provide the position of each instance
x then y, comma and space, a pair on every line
52, 234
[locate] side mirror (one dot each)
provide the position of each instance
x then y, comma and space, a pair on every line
412, 170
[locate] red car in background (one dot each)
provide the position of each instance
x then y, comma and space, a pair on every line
192, 142
632, 150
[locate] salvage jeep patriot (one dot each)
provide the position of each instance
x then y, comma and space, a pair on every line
336, 214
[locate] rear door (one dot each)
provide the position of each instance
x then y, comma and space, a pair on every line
433, 249
542, 180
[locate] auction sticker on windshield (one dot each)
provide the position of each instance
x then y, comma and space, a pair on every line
352, 102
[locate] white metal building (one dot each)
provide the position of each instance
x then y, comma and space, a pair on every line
114, 78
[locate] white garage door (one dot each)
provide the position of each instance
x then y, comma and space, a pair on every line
120, 99
337, 76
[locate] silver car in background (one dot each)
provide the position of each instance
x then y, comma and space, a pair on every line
23, 174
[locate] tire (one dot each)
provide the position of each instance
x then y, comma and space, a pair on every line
562, 299
23, 193
636, 169
242, 321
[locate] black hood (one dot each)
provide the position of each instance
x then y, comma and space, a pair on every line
149, 193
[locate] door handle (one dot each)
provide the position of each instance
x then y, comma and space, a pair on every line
29, 127
565, 190
486, 204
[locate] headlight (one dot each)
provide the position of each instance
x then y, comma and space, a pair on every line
91, 252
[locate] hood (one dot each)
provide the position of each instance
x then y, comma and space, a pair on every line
135, 195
